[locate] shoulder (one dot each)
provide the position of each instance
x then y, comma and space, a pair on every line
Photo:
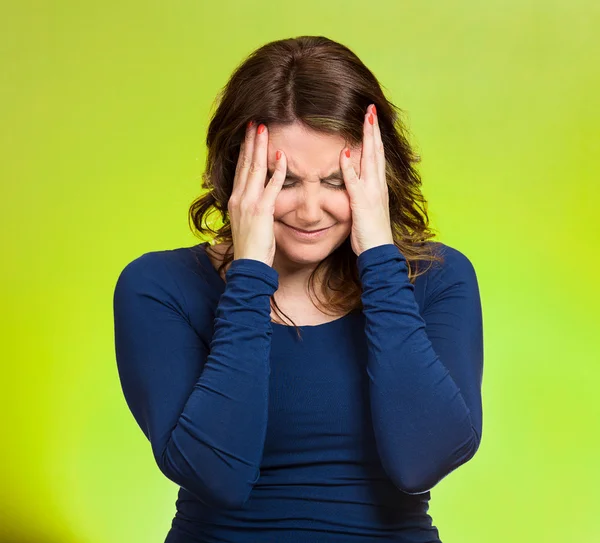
455, 271
174, 263
163, 271
177, 279
151, 275
153, 264
455, 262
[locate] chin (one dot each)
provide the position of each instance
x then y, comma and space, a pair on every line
308, 251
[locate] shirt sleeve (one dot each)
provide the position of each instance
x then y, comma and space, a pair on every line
425, 372
204, 409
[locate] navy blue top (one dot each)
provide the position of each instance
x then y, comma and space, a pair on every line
335, 437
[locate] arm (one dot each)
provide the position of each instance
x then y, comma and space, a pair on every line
425, 371
203, 410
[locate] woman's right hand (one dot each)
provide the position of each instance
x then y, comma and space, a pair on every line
252, 203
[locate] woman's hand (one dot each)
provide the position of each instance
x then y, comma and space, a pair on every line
369, 198
252, 203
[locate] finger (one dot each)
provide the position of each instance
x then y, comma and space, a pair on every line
258, 167
368, 166
379, 151
244, 159
350, 178
276, 182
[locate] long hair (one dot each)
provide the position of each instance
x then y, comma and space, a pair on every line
326, 87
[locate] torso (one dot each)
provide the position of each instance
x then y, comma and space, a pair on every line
302, 311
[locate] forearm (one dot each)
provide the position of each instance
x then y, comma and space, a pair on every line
421, 421
218, 442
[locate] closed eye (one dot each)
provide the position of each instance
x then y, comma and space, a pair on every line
341, 186
293, 178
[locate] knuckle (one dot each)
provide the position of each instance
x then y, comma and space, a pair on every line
246, 204
246, 161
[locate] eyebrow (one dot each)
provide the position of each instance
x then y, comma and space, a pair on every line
295, 177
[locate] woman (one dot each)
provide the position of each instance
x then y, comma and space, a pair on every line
339, 431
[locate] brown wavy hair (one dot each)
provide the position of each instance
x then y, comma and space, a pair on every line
325, 86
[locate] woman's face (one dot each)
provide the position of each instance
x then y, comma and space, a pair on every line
308, 200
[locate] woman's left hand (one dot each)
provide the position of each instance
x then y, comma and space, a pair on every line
369, 200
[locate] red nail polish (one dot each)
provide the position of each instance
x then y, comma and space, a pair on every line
374, 110
278, 155
371, 120
348, 153
261, 128
250, 123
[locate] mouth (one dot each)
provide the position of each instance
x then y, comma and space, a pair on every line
308, 234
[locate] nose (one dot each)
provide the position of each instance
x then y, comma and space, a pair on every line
309, 211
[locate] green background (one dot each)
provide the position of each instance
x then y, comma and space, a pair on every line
103, 114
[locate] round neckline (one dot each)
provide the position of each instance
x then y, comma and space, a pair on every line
275, 324
314, 326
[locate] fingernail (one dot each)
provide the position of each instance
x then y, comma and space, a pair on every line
348, 153
278, 155
250, 123
261, 128
374, 110
371, 118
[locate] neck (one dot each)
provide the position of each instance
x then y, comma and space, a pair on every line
293, 277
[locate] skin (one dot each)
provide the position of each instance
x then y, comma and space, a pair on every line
307, 204
360, 212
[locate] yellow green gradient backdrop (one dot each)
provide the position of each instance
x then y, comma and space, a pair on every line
104, 109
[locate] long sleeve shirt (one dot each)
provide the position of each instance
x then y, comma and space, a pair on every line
338, 436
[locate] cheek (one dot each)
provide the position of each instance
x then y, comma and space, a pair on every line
283, 204
341, 207
336, 203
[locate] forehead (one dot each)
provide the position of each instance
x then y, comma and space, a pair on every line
307, 151
300, 134
304, 147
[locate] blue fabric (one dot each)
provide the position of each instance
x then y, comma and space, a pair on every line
339, 436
